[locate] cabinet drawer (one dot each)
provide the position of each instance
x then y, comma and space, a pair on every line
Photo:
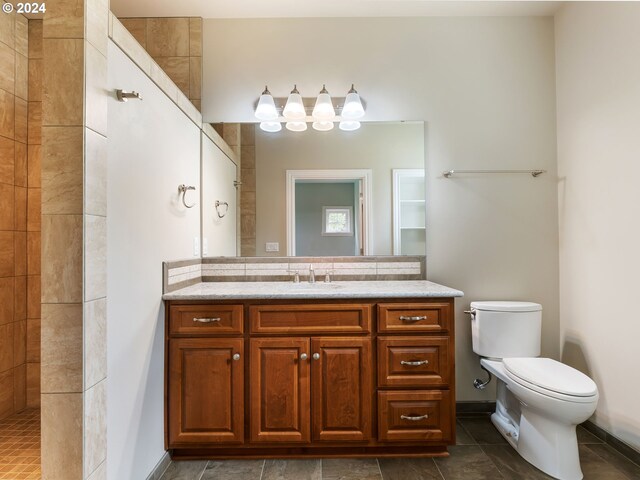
337, 318
405, 416
205, 319
418, 361
414, 317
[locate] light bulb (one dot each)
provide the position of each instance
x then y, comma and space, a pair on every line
296, 126
349, 125
266, 109
323, 110
323, 126
353, 108
294, 109
270, 127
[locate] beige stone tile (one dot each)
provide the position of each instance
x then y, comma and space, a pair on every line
95, 257
34, 123
65, 19
7, 261
138, 28
95, 427
247, 134
195, 77
231, 133
34, 166
20, 252
247, 203
62, 170
61, 348
95, 177
97, 19
177, 68
168, 37
7, 160
195, 37
187, 107
21, 120
6, 346
62, 258
7, 114
63, 82
20, 159
6, 300
6, 393
96, 90
35, 38
19, 342
248, 178
248, 156
7, 207
34, 210
62, 443
20, 298
248, 226
7, 26
34, 245
159, 76
131, 47
7, 67
20, 387
33, 385
22, 77
95, 341
34, 300
33, 340
35, 79
197, 103
22, 35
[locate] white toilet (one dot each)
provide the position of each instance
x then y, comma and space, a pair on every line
539, 400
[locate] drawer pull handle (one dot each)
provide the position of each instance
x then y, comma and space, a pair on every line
206, 320
415, 363
412, 319
236, 356
414, 418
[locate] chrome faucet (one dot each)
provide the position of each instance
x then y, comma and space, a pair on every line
312, 275
296, 276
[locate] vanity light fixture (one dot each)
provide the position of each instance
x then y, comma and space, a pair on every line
323, 125
266, 109
352, 109
323, 111
296, 126
294, 109
349, 125
270, 127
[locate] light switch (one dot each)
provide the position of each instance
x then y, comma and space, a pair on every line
272, 247
196, 246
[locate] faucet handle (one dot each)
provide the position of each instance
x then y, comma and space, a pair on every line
296, 275
327, 276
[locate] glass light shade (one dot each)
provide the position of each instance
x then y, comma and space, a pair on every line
294, 109
349, 125
323, 110
296, 126
271, 127
353, 108
266, 109
323, 126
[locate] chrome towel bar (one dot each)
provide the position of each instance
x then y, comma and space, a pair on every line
533, 173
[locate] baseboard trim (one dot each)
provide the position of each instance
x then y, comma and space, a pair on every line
160, 467
613, 441
467, 408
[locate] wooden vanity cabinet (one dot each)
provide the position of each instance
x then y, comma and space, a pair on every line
309, 378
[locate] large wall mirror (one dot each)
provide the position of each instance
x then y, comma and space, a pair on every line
334, 193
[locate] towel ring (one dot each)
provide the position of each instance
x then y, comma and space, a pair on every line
183, 189
218, 204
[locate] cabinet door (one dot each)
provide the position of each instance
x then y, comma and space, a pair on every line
342, 389
206, 390
280, 390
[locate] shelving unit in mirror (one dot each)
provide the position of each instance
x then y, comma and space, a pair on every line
409, 212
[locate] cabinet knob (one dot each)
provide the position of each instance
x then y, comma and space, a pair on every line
236, 356
316, 356
304, 356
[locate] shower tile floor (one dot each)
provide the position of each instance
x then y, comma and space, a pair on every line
20, 446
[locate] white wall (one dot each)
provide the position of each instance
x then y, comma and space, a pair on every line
486, 88
153, 147
598, 88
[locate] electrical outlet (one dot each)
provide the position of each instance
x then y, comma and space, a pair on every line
272, 247
205, 246
196, 246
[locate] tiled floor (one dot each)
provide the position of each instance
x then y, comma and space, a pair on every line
480, 454
20, 446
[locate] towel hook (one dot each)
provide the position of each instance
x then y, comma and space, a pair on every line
182, 189
219, 204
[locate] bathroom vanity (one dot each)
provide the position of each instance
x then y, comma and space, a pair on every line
275, 369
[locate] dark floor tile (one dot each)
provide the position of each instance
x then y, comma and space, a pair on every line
595, 467
184, 470
467, 462
462, 436
409, 469
585, 436
292, 470
233, 470
512, 465
622, 463
483, 431
350, 469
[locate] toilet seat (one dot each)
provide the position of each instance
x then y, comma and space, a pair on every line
551, 378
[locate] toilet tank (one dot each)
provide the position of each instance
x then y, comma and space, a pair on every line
506, 329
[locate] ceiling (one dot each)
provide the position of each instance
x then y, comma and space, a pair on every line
328, 8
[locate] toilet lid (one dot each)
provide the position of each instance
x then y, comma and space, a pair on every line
551, 375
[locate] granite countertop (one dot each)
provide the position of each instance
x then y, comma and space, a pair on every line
320, 290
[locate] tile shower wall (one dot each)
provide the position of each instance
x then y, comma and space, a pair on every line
19, 214
176, 46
